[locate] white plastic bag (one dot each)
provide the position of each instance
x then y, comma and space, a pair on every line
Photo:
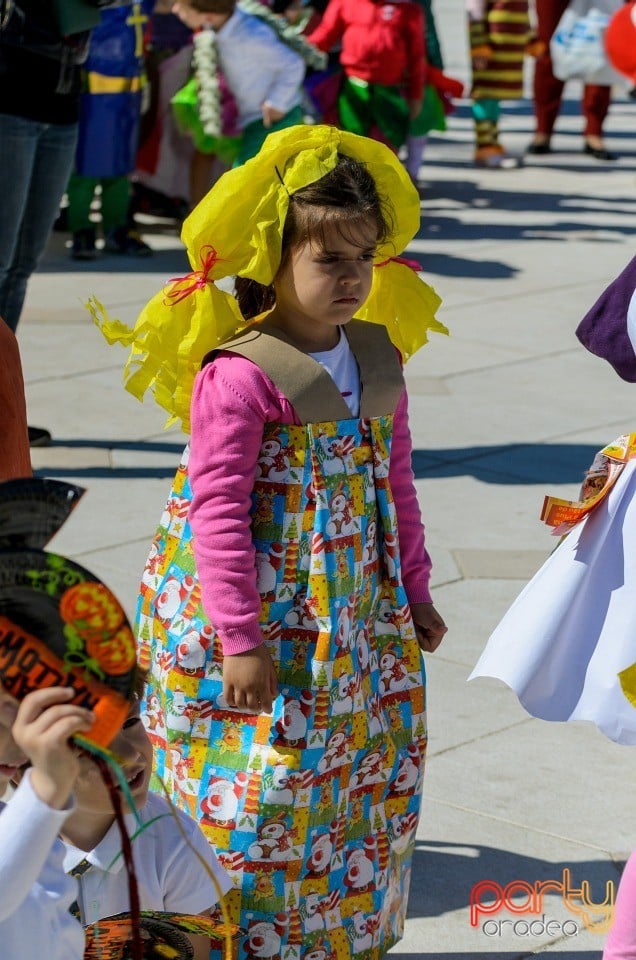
577, 48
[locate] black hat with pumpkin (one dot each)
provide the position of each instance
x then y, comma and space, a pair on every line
59, 624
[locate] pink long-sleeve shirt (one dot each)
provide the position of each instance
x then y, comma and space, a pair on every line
232, 401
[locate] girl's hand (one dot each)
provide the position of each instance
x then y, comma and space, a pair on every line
42, 729
480, 56
270, 114
429, 626
249, 680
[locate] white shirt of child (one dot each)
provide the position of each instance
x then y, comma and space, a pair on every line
258, 67
35, 893
342, 366
169, 875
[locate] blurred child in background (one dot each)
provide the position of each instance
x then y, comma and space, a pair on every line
109, 133
499, 37
262, 73
384, 62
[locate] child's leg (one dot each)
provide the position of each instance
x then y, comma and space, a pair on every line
120, 234
115, 203
80, 193
414, 155
489, 152
486, 119
621, 940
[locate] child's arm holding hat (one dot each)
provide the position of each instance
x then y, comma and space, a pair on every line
35, 893
42, 725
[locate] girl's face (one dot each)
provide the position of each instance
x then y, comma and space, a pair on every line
133, 750
11, 757
323, 285
197, 19
293, 12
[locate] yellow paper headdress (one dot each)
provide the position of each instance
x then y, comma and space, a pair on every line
236, 230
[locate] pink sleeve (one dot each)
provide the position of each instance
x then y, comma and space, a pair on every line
414, 559
231, 402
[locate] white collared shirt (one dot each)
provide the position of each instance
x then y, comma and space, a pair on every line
258, 67
35, 893
169, 875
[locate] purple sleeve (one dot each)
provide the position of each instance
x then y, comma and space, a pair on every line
414, 559
609, 328
231, 402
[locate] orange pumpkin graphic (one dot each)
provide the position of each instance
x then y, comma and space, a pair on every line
115, 654
98, 618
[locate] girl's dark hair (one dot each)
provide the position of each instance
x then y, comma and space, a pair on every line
213, 6
345, 197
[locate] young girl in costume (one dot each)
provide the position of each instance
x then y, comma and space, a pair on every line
285, 602
110, 114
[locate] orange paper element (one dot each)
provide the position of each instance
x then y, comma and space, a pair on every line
564, 515
26, 664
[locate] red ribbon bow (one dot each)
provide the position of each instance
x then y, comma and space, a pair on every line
182, 287
413, 264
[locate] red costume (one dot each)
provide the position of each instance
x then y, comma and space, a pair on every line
382, 43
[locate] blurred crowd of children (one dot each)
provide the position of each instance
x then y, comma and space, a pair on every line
175, 93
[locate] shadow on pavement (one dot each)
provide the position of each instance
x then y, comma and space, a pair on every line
445, 873
143, 446
509, 463
520, 463
173, 449
449, 265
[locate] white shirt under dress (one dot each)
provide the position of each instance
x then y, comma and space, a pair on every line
169, 875
35, 893
340, 363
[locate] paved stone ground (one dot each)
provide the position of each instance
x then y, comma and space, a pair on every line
506, 409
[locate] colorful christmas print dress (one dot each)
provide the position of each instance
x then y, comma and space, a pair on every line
312, 810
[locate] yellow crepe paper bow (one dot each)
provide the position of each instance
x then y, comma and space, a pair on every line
237, 230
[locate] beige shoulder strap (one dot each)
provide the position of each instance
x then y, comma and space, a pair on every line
307, 385
381, 377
